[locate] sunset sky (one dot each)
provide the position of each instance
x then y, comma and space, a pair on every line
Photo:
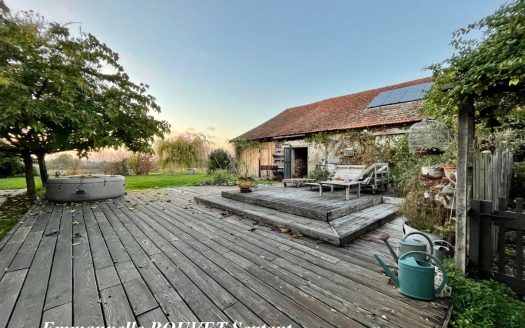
223, 67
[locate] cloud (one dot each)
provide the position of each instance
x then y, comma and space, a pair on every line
211, 128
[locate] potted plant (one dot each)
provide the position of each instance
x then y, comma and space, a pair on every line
423, 212
246, 151
450, 159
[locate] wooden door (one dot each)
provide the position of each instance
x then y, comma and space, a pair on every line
288, 163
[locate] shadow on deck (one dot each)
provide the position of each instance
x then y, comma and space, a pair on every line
156, 256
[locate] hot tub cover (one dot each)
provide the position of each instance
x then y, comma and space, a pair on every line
79, 188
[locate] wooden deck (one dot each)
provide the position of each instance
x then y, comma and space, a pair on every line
157, 256
304, 202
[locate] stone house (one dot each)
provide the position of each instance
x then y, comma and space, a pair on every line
286, 150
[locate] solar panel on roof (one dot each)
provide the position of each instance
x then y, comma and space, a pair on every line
396, 96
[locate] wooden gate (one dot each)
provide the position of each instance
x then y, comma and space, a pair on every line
500, 258
492, 175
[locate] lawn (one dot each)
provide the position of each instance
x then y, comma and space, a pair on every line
133, 182
161, 180
17, 183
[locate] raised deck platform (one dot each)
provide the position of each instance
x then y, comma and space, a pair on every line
303, 202
329, 218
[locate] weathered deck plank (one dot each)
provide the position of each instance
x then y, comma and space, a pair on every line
10, 287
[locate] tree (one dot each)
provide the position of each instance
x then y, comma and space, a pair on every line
489, 70
142, 163
246, 151
219, 159
10, 165
184, 151
3, 7
483, 81
62, 91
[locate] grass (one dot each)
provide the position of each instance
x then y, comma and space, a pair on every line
483, 303
17, 183
135, 182
163, 180
11, 211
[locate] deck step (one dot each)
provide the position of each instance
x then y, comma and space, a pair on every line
304, 203
338, 232
354, 225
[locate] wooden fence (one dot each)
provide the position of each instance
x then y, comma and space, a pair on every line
492, 175
500, 258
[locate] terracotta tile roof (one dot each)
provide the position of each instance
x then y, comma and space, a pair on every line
339, 113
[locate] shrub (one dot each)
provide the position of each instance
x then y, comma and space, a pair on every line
518, 181
221, 178
219, 159
142, 164
483, 303
117, 167
406, 167
10, 165
319, 174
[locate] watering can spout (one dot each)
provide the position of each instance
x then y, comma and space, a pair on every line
384, 237
387, 270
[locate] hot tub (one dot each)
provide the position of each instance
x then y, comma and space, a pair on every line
80, 188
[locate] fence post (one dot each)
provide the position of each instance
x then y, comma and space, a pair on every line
474, 234
486, 252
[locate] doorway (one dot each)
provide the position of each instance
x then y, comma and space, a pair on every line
300, 162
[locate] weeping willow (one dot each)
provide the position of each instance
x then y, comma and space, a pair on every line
182, 152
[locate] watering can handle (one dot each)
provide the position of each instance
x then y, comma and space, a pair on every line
442, 242
439, 264
422, 234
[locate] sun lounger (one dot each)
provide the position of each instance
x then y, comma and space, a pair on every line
375, 177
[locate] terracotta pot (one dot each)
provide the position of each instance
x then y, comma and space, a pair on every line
245, 183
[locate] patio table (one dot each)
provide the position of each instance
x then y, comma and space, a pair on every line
347, 186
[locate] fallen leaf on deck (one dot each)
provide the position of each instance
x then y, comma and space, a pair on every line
383, 316
52, 233
284, 229
252, 229
295, 234
333, 310
75, 222
77, 235
225, 214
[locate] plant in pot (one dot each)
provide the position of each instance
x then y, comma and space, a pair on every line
423, 213
246, 151
449, 159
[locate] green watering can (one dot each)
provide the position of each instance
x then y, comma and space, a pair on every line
415, 278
